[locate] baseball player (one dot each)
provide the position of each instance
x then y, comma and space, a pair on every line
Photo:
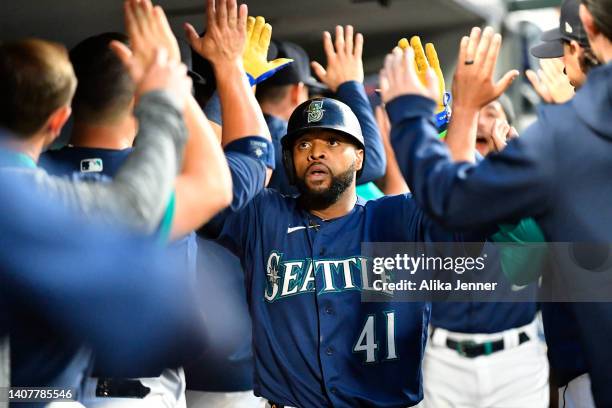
529, 169
66, 295
41, 83
29, 125
302, 263
492, 350
222, 376
101, 130
96, 156
566, 57
315, 342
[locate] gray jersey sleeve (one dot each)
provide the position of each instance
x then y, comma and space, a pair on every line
140, 191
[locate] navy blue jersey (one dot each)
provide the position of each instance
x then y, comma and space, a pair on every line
557, 172
488, 317
101, 165
57, 292
83, 162
316, 343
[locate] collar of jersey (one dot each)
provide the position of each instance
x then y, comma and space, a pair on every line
360, 203
98, 149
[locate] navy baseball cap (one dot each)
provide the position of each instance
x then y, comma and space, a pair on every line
570, 29
298, 71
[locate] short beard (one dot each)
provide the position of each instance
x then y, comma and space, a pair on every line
319, 200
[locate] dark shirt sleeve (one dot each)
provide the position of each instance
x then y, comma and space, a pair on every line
353, 94
93, 285
231, 227
503, 187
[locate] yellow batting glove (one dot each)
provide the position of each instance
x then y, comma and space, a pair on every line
434, 63
255, 56
424, 59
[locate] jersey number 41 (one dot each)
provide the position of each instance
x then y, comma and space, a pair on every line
368, 343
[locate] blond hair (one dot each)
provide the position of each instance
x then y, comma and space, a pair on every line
36, 78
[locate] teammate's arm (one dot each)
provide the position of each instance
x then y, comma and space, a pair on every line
203, 188
73, 283
140, 191
344, 76
513, 184
256, 65
244, 127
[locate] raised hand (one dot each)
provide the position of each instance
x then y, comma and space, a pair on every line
344, 61
148, 31
399, 77
473, 83
425, 58
256, 63
551, 83
225, 37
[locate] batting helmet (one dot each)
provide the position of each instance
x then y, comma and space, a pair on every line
320, 113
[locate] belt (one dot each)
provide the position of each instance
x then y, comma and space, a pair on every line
121, 388
471, 349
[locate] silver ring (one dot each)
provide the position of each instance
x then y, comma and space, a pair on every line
470, 62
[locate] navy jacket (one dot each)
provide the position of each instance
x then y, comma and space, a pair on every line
558, 172
66, 282
68, 162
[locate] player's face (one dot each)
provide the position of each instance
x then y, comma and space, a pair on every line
486, 121
321, 156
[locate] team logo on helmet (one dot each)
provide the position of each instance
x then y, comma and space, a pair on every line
315, 111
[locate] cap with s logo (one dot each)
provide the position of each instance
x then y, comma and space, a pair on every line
315, 111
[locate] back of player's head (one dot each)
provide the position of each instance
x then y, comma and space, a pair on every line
276, 88
272, 93
105, 89
36, 79
601, 10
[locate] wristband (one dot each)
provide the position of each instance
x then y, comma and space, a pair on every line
256, 147
443, 117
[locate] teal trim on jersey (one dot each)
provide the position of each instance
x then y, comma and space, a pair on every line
165, 226
15, 159
369, 191
522, 264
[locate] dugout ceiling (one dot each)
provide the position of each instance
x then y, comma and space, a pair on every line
443, 21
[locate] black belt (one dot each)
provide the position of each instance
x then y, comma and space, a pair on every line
121, 388
470, 349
